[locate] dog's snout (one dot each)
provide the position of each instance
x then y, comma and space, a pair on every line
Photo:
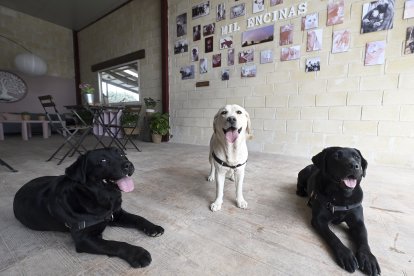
354, 165
128, 167
231, 119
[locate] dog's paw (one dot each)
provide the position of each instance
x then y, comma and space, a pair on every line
139, 257
154, 231
210, 178
346, 259
368, 263
215, 206
242, 204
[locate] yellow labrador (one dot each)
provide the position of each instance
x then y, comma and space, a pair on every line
228, 151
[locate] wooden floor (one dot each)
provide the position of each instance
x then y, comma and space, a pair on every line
272, 237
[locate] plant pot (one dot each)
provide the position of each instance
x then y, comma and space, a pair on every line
41, 117
156, 138
131, 130
88, 99
149, 111
25, 117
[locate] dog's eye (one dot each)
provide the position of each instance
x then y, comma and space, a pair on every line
356, 156
238, 112
103, 162
224, 112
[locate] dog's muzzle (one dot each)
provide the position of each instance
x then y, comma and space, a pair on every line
128, 168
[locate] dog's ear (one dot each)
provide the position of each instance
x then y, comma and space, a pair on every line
77, 171
215, 120
364, 163
249, 130
319, 160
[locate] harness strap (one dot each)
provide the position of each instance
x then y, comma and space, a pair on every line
86, 223
221, 162
331, 207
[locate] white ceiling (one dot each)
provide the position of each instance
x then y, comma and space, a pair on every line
72, 14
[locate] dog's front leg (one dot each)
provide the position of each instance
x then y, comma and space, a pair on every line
239, 178
220, 177
125, 219
136, 256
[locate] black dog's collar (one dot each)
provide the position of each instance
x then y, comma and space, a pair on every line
221, 162
86, 223
331, 207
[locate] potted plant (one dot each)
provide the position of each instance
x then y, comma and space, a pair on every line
88, 93
129, 122
150, 105
159, 126
25, 116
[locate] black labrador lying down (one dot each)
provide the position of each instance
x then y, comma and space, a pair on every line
83, 202
333, 185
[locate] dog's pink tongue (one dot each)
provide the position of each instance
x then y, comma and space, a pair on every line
231, 136
351, 183
125, 184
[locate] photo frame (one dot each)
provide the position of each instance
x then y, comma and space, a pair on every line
375, 53
248, 71
225, 74
208, 44
258, 6
187, 72
377, 16
290, 53
409, 9
216, 60
196, 32
181, 46
194, 53
409, 41
336, 12
341, 41
209, 29
266, 56
311, 21
313, 64
237, 11
181, 23
200, 10
275, 2
246, 56
257, 36
203, 65
226, 42
314, 40
286, 35
230, 57
221, 12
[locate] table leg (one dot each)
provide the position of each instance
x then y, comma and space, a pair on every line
45, 129
24, 131
1, 132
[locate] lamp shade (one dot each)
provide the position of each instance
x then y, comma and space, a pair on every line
30, 64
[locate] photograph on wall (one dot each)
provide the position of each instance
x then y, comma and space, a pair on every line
238, 10
209, 29
181, 46
286, 34
336, 12
226, 42
311, 21
314, 42
409, 9
197, 33
313, 64
208, 44
257, 36
266, 56
225, 74
377, 16
216, 60
409, 41
375, 53
200, 10
203, 65
275, 2
187, 72
221, 12
181, 24
258, 6
246, 56
290, 53
341, 41
230, 57
248, 71
194, 53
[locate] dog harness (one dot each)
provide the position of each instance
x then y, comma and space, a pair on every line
331, 207
221, 162
86, 223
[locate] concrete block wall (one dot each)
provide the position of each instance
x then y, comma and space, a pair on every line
294, 112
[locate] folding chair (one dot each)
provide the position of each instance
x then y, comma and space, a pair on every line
132, 112
3, 163
73, 134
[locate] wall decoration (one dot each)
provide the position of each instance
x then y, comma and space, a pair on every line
226, 42
409, 9
377, 16
257, 36
187, 72
375, 53
275, 2
230, 57
290, 53
181, 46
208, 44
221, 12
197, 33
258, 6
181, 24
313, 64
238, 10
216, 60
336, 10
12, 87
312, 21
246, 56
409, 41
286, 34
203, 66
266, 56
248, 71
209, 29
341, 41
200, 10
194, 53
225, 74
302, 26
314, 42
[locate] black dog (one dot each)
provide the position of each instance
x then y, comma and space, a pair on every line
83, 202
333, 184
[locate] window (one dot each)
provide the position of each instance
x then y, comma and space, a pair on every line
120, 84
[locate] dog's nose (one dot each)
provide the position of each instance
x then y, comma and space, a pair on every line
231, 119
128, 167
354, 165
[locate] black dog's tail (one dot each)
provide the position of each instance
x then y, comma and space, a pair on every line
303, 177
